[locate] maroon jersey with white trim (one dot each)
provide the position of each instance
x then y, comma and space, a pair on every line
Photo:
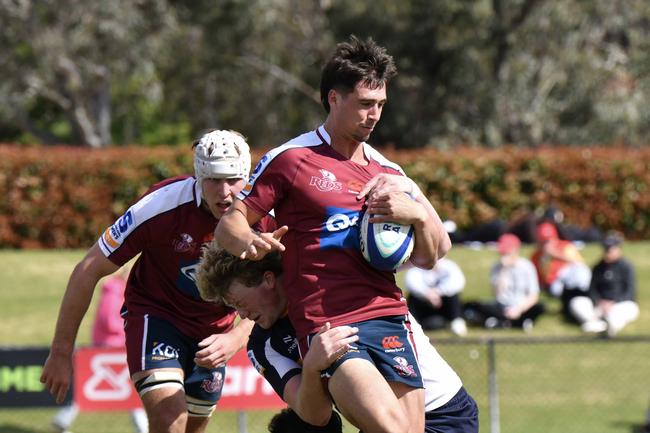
168, 227
313, 189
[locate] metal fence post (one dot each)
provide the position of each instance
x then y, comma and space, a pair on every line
493, 391
242, 426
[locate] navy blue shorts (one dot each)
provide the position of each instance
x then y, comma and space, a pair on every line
155, 343
387, 342
458, 415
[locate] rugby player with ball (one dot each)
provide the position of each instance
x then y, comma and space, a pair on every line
317, 184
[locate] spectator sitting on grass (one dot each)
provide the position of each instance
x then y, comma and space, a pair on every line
560, 267
610, 304
516, 291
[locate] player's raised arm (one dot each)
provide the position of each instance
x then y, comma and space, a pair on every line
233, 234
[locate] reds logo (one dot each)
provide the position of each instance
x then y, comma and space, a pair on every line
403, 368
184, 243
327, 182
215, 384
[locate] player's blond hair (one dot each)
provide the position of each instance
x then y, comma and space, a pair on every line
218, 269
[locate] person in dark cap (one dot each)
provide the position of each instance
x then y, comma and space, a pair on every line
610, 304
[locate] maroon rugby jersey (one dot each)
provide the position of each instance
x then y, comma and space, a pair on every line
168, 226
313, 189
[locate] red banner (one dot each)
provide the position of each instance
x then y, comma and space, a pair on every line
102, 383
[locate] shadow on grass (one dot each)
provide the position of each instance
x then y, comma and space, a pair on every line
634, 428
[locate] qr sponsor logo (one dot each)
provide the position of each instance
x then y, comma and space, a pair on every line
392, 344
340, 228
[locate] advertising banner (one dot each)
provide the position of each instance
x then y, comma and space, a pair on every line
102, 383
20, 373
102, 380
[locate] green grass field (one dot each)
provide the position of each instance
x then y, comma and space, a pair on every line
589, 386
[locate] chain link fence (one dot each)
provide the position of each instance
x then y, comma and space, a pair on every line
555, 384
522, 385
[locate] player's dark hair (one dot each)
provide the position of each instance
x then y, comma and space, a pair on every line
287, 421
354, 61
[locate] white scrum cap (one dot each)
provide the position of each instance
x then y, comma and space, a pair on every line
223, 155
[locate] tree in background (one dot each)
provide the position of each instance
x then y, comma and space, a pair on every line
576, 72
483, 72
69, 66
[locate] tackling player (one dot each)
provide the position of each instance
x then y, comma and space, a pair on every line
177, 344
257, 290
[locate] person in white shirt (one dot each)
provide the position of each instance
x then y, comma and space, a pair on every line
434, 296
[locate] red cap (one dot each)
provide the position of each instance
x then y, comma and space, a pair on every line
508, 243
546, 231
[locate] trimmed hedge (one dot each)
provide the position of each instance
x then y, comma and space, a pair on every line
64, 197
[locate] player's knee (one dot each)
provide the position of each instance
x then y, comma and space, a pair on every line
199, 408
159, 379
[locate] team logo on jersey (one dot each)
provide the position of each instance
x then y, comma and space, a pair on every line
355, 186
215, 384
163, 351
183, 243
326, 182
340, 228
403, 367
114, 235
186, 279
392, 344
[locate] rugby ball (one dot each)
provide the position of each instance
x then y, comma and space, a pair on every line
385, 245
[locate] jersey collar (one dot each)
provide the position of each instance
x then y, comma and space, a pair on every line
197, 192
323, 135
